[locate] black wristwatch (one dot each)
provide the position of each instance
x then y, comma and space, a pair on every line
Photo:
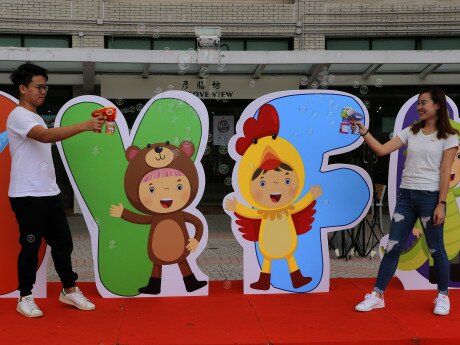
442, 202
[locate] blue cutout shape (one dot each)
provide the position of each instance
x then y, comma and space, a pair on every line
311, 122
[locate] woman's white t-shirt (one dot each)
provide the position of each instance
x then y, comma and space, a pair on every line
32, 168
423, 160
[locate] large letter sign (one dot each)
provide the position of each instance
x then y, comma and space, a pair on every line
138, 192
287, 196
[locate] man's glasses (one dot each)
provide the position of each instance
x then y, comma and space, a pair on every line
41, 88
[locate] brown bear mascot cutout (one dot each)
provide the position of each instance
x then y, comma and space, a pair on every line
161, 181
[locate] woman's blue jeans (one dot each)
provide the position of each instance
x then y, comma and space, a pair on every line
411, 205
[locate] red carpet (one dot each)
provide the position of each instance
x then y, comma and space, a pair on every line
229, 317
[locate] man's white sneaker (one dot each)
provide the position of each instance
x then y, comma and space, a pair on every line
27, 307
371, 301
77, 299
441, 305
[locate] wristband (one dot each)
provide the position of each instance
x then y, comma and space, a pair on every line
365, 133
442, 202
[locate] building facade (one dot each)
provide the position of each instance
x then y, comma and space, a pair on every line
383, 52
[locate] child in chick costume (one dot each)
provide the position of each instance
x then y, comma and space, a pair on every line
271, 177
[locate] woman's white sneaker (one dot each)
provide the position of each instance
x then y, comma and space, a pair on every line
27, 307
77, 299
441, 305
371, 301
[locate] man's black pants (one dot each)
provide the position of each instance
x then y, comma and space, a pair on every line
42, 217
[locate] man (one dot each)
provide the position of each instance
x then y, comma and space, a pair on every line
34, 194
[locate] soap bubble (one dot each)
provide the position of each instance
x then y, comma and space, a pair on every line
252, 83
119, 101
314, 85
184, 60
166, 49
31, 238
223, 149
356, 84
157, 91
43, 167
209, 137
141, 29
139, 106
378, 82
228, 181
363, 89
221, 67
170, 87
112, 244
204, 72
95, 150
155, 33
302, 109
207, 150
304, 81
367, 104
223, 169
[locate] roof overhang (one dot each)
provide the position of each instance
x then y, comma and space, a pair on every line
84, 66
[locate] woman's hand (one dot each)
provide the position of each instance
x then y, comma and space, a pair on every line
362, 129
439, 214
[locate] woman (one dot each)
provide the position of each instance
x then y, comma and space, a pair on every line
431, 147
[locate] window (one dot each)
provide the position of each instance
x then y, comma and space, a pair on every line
441, 43
347, 44
34, 41
394, 43
233, 44
253, 44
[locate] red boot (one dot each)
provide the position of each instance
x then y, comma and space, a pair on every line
298, 280
263, 283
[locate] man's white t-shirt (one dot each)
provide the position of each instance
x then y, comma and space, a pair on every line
32, 168
423, 160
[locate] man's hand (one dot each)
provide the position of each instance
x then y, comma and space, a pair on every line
192, 244
95, 123
116, 210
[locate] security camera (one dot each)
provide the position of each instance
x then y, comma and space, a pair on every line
208, 41
208, 37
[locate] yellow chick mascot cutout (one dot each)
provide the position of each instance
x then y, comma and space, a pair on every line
271, 177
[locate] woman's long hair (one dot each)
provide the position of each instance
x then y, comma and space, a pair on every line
442, 123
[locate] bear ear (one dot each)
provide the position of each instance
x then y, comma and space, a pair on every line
188, 148
131, 152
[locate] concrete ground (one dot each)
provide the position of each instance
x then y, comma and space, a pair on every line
223, 257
